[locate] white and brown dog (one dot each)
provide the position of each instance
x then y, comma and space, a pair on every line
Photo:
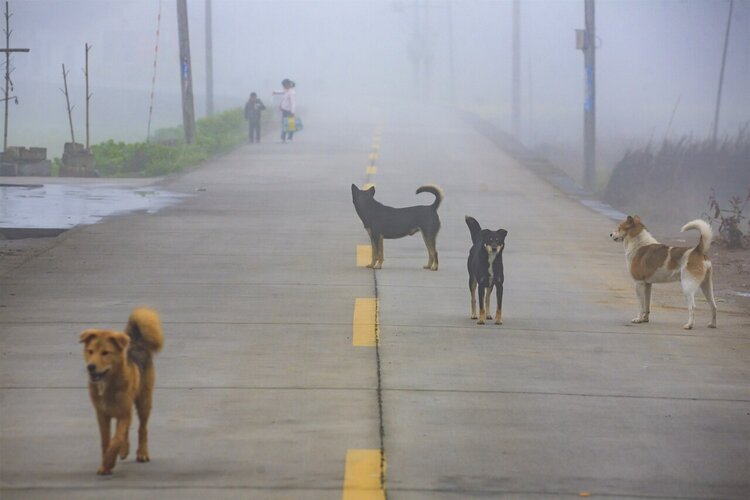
651, 262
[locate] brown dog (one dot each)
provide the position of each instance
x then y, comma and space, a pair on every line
651, 262
121, 374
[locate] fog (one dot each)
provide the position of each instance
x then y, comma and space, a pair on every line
654, 58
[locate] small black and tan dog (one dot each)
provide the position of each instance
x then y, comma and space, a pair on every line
383, 222
485, 266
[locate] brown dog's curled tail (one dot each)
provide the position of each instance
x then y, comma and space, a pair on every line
144, 328
430, 188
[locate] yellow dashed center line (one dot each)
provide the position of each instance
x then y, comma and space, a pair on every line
364, 255
373, 156
372, 169
364, 322
362, 478
368, 185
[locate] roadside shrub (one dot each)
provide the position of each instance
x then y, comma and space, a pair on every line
672, 181
167, 152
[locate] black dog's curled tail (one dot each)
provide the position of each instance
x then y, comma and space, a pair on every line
431, 188
474, 228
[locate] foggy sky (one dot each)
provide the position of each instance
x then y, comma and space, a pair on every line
651, 54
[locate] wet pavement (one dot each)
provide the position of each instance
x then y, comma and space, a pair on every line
33, 209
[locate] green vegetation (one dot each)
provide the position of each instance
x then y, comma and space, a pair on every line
167, 152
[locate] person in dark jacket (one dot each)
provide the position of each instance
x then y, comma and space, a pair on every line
253, 109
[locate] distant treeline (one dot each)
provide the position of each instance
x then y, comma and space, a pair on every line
674, 181
167, 152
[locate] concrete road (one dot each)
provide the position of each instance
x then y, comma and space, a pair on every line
262, 392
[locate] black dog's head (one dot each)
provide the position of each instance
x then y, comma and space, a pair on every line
492, 241
362, 198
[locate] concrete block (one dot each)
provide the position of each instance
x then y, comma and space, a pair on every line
8, 169
12, 153
41, 168
33, 154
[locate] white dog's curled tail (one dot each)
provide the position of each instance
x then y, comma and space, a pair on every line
706, 234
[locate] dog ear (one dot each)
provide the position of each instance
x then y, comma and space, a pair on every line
629, 220
87, 335
371, 191
637, 220
354, 189
121, 340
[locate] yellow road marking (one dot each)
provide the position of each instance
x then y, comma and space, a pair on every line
364, 255
364, 322
372, 156
372, 169
362, 479
368, 185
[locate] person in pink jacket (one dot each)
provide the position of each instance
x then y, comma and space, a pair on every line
288, 106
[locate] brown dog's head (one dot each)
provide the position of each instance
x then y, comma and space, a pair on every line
104, 352
630, 227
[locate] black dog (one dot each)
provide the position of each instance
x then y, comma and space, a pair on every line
382, 221
485, 266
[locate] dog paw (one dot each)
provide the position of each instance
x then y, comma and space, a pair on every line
474, 316
124, 451
104, 471
638, 320
498, 322
480, 322
489, 316
142, 457
687, 327
712, 325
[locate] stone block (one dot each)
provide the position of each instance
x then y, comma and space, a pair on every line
12, 153
8, 169
41, 168
33, 154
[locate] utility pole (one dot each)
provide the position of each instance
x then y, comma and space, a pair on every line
8, 82
209, 62
67, 102
516, 72
721, 74
451, 67
88, 95
186, 73
586, 41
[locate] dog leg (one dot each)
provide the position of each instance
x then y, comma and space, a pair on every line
708, 290
482, 308
143, 405
125, 448
499, 311
373, 250
110, 455
487, 296
105, 429
473, 290
640, 290
432, 254
647, 301
689, 287
381, 253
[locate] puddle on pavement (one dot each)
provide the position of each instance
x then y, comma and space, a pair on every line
37, 209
